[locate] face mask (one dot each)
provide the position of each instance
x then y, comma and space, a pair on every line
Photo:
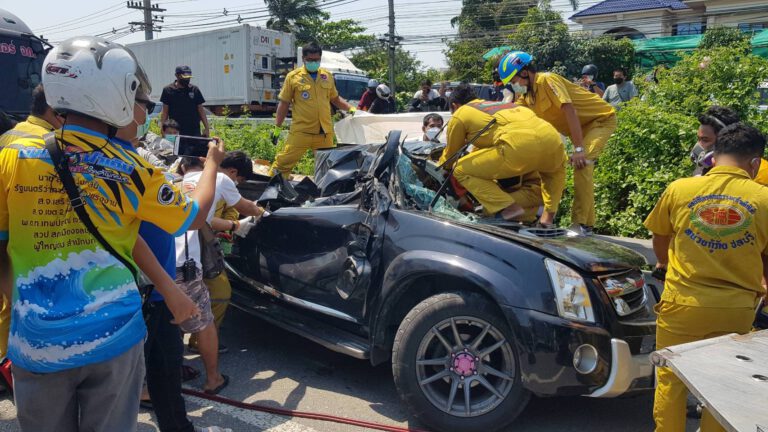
171, 138
432, 132
519, 89
312, 66
142, 129
184, 82
591, 77
618, 80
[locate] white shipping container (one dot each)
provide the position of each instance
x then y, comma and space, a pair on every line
232, 66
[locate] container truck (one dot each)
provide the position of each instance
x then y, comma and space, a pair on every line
236, 67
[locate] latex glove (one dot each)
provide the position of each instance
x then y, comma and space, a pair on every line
351, 111
245, 226
276, 134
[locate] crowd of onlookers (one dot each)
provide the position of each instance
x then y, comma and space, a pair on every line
378, 99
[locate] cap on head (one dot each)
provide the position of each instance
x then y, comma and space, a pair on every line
513, 63
372, 83
94, 77
184, 71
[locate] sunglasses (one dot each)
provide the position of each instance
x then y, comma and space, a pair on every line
148, 104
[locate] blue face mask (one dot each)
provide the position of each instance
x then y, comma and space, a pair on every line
142, 129
312, 66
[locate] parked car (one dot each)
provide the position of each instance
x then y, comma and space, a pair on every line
475, 315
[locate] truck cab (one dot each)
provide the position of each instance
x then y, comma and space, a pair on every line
21, 61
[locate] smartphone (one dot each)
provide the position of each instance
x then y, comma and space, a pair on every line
185, 145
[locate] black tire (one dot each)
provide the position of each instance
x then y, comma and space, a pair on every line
415, 338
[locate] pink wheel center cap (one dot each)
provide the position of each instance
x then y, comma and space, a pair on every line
464, 364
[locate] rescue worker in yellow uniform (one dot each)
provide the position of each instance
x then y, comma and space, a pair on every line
309, 90
41, 120
518, 144
575, 112
712, 121
711, 234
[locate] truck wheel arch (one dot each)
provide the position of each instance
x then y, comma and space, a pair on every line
417, 275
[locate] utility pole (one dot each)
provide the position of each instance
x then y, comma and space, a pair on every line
149, 20
391, 46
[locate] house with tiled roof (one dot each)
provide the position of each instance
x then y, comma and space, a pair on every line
640, 19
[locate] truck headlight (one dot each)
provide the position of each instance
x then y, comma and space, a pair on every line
571, 293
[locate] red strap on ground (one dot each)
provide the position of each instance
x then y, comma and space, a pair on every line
300, 414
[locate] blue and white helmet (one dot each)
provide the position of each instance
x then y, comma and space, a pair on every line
512, 63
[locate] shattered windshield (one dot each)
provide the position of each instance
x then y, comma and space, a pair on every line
422, 196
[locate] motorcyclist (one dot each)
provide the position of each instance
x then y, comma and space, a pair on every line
384, 102
369, 95
588, 77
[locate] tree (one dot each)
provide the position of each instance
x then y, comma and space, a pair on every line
332, 35
374, 60
544, 34
481, 27
723, 37
285, 13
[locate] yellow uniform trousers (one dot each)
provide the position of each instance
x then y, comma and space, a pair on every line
596, 135
678, 324
221, 293
528, 196
296, 145
518, 151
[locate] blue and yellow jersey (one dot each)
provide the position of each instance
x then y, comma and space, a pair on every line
73, 302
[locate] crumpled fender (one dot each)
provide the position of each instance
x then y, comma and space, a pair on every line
414, 264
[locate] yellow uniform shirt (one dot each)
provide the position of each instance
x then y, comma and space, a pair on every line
74, 303
310, 100
719, 225
551, 91
33, 127
470, 118
762, 173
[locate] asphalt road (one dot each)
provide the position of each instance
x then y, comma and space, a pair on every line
272, 367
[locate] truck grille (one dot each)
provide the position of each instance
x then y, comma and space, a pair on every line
625, 291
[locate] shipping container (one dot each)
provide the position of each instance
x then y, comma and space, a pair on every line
232, 67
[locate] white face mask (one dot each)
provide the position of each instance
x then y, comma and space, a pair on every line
432, 132
591, 77
519, 89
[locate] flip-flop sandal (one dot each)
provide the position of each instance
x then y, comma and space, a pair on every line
146, 404
221, 387
188, 373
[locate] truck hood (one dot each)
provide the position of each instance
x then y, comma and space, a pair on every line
587, 253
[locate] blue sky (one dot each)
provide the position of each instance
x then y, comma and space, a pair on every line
422, 24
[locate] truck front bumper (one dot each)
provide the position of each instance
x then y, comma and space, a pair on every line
628, 372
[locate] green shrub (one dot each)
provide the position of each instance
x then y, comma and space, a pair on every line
717, 76
255, 140
648, 151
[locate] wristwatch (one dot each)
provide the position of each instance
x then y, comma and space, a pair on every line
578, 150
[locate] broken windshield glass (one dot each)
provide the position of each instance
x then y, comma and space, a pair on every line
423, 196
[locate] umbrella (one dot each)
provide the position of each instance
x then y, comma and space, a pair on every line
495, 52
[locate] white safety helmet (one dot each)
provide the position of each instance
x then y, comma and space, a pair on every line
94, 77
372, 83
382, 91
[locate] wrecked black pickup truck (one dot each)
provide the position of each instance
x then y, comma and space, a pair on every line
475, 316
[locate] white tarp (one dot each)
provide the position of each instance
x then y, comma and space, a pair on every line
365, 128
